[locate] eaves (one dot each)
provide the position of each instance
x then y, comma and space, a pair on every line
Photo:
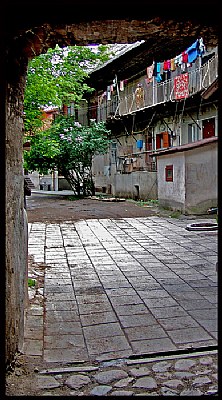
184, 147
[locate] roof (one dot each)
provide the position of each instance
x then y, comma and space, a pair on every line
185, 147
119, 49
210, 90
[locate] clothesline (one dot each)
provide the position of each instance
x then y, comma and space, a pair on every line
158, 69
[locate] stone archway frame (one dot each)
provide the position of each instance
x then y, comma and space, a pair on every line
24, 38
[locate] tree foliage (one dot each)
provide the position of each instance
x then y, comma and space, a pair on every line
68, 147
57, 77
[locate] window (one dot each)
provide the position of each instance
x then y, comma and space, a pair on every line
113, 152
193, 133
169, 173
162, 140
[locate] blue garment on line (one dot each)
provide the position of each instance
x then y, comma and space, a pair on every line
192, 52
158, 75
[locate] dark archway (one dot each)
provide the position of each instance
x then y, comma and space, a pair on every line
30, 28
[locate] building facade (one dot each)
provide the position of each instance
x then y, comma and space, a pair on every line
165, 106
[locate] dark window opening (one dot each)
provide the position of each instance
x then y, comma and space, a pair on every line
169, 173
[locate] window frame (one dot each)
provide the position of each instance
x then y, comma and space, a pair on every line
169, 168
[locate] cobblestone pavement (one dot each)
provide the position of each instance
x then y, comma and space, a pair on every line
118, 289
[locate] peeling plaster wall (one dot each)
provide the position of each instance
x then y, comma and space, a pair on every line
16, 226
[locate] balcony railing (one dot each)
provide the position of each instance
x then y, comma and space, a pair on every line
157, 93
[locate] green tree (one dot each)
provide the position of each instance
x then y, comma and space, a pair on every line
58, 77
68, 147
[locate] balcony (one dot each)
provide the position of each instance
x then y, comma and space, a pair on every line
156, 93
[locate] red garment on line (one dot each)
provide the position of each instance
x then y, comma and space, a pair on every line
184, 57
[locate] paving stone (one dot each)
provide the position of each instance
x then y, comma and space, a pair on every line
152, 345
110, 376
177, 322
60, 328
212, 391
101, 390
145, 383
167, 312
65, 355
122, 393
64, 342
191, 392
160, 302
102, 330
110, 344
161, 366
173, 383
132, 309
77, 381
168, 392
33, 347
188, 335
98, 318
123, 382
139, 371
206, 360
47, 382
128, 321
145, 332
202, 380
183, 374
184, 364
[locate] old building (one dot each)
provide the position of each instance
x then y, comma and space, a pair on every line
154, 112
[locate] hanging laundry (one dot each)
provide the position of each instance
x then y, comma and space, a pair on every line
154, 69
184, 57
168, 64
161, 68
192, 52
172, 64
158, 75
111, 88
201, 47
108, 93
178, 59
149, 71
121, 86
183, 67
181, 86
139, 95
165, 65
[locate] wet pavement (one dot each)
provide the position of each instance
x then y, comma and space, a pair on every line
127, 290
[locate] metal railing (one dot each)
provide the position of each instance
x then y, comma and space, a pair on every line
156, 93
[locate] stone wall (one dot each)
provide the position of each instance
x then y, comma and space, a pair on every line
16, 225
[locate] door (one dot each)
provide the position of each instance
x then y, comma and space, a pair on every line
208, 128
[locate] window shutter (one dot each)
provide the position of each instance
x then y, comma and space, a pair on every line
166, 142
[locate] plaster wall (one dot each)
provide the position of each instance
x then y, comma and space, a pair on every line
172, 194
194, 186
201, 178
16, 288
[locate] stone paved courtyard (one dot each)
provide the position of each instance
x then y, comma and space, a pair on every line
116, 288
